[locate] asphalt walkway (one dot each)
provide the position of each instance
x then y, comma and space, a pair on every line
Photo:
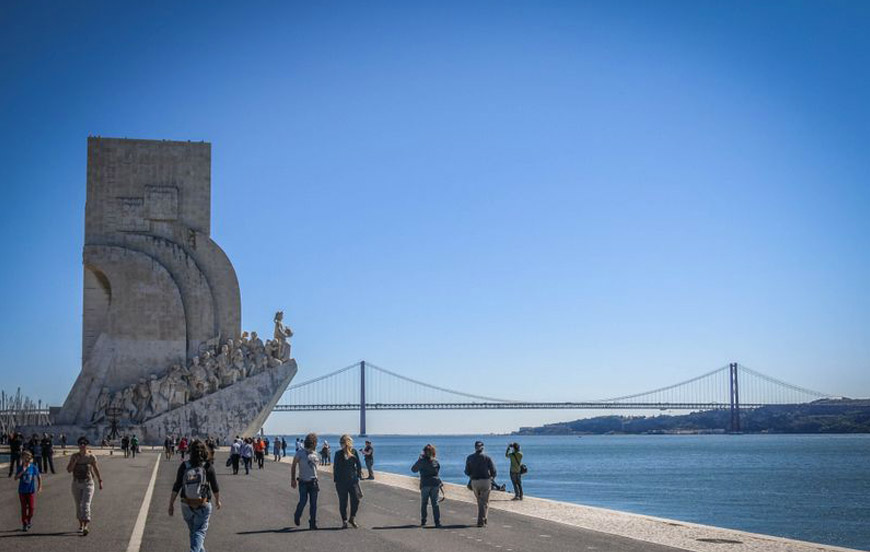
257, 515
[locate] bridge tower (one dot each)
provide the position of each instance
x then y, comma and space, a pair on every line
735, 398
362, 398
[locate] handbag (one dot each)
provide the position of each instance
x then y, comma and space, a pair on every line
357, 490
524, 469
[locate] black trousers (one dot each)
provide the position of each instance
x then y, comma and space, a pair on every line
347, 491
234, 460
47, 463
14, 462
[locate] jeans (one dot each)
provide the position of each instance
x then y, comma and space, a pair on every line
234, 460
83, 493
308, 491
347, 490
28, 506
429, 494
247, 461
369, 463
481, 488
197, 524
517, 481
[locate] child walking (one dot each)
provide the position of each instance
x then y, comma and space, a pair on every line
29, 485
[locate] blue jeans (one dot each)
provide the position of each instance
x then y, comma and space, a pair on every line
197, 524
308, 491
429, 494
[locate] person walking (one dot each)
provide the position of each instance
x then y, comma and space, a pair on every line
29, 485
283, 447
125, 445
35, 448
182, 447
236, 455
247, 454
83, 467
196, 481
346, 473
259, 452
309, 487
481, 469
63, 441
516, 457
369, 455
276, 450
134, 445
167, 447
324, 453
16, 447
47, 445
430, 483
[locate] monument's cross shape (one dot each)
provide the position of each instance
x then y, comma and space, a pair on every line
161, 337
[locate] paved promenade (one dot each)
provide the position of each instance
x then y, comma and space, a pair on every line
257, 515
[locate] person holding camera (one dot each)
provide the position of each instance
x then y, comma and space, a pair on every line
430, 484
516, 457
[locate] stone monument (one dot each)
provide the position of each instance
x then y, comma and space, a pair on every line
161, 327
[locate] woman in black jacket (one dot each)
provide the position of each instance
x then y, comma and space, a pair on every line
346, 472
430, 483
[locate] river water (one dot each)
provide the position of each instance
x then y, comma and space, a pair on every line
807, 487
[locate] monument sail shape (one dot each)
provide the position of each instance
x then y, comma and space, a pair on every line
162, 347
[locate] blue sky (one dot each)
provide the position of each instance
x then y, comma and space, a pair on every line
536, 200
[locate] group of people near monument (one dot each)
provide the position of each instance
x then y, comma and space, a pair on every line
244, 452
197, 485
41, 450
216, 366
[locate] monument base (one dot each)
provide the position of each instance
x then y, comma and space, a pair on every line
239, 409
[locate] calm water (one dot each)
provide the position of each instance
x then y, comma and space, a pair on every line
808, 487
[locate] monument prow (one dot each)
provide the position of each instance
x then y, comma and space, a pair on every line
162, 347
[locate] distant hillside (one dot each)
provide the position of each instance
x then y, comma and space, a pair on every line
825, 416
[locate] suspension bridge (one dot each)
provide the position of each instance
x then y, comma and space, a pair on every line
363, 386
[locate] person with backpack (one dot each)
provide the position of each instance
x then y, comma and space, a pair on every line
481, 469
134, 445
196, 481
83, 467
29, 485
182, 447
517, 469
309, 487
430, 483
259, 452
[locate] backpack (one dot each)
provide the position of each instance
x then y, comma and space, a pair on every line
195, 483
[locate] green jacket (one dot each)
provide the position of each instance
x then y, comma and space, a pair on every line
516, 460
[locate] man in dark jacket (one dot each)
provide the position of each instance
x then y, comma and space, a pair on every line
481, 469
15, 446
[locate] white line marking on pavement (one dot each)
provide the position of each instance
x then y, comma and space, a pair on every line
139, 528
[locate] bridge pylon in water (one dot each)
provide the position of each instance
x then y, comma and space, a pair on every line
735, 398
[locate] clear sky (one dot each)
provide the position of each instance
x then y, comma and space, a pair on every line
534, 200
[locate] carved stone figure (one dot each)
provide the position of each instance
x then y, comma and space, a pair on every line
173, 387
282, 334
238, 360
129, 401
212, 369
225, 371
142, 400
101, 405
158, 403
197, 379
